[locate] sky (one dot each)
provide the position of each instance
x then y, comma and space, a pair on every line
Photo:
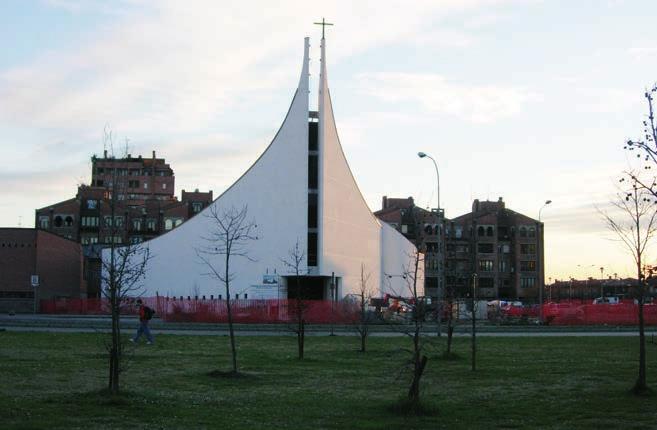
525, 100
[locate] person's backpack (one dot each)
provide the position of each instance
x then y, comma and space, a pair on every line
148, 312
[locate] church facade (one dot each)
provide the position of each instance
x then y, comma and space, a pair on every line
299, 191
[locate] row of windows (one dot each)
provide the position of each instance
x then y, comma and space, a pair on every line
130, 172
118, 221
525, 266
58, 221
525, 282
488, 248
90, 240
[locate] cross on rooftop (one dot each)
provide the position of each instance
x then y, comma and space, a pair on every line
323, 24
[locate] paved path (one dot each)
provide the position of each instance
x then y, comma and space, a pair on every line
101, 324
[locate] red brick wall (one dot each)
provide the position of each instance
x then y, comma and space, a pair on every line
17, 259
59, 265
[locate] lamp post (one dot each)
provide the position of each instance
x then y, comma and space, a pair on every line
440, 286
425, 155
541, 281
586, 267
474, 321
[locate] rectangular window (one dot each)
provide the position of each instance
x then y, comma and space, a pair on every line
527, 266
313, 134
502, 265
486, 265
486, 283
133, 184
458, 232
118, 221
312, 210
150, 225
145, 185
92, 204
312, 249
527, 282
404, 228
43, 222
528, 248
313, 172
196, 207
164, 186
485, 248
108, 221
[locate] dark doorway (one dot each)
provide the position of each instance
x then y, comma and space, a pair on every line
307, 288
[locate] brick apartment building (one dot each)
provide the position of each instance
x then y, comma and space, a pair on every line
502, 247
25, 252
144, 207
425, 229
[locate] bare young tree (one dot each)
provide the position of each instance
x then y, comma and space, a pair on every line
122, 268
473, 339
230, 234
412, 326
449, 298
634, 224
294, 262
365, 293
646, 147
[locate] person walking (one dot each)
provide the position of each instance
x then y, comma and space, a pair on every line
145, 315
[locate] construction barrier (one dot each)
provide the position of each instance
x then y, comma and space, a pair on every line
624, 313
216, 311
340, 312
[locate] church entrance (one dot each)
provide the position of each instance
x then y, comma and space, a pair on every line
308, 287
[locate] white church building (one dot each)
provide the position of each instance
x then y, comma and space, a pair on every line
300, 190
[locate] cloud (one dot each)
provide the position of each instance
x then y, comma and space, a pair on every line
643, 52
436, 94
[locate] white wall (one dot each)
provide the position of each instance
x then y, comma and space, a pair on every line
275, 191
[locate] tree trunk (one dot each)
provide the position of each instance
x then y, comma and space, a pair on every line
641, 386
115, 348
414, 391
363, 336
232, 335
450, 329
233, 350
300, 337
474, 337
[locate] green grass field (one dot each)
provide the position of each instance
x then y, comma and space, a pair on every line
50, 380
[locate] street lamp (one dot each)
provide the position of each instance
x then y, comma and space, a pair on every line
541, 280
425, 155
585, 267
547, 202
440, 286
